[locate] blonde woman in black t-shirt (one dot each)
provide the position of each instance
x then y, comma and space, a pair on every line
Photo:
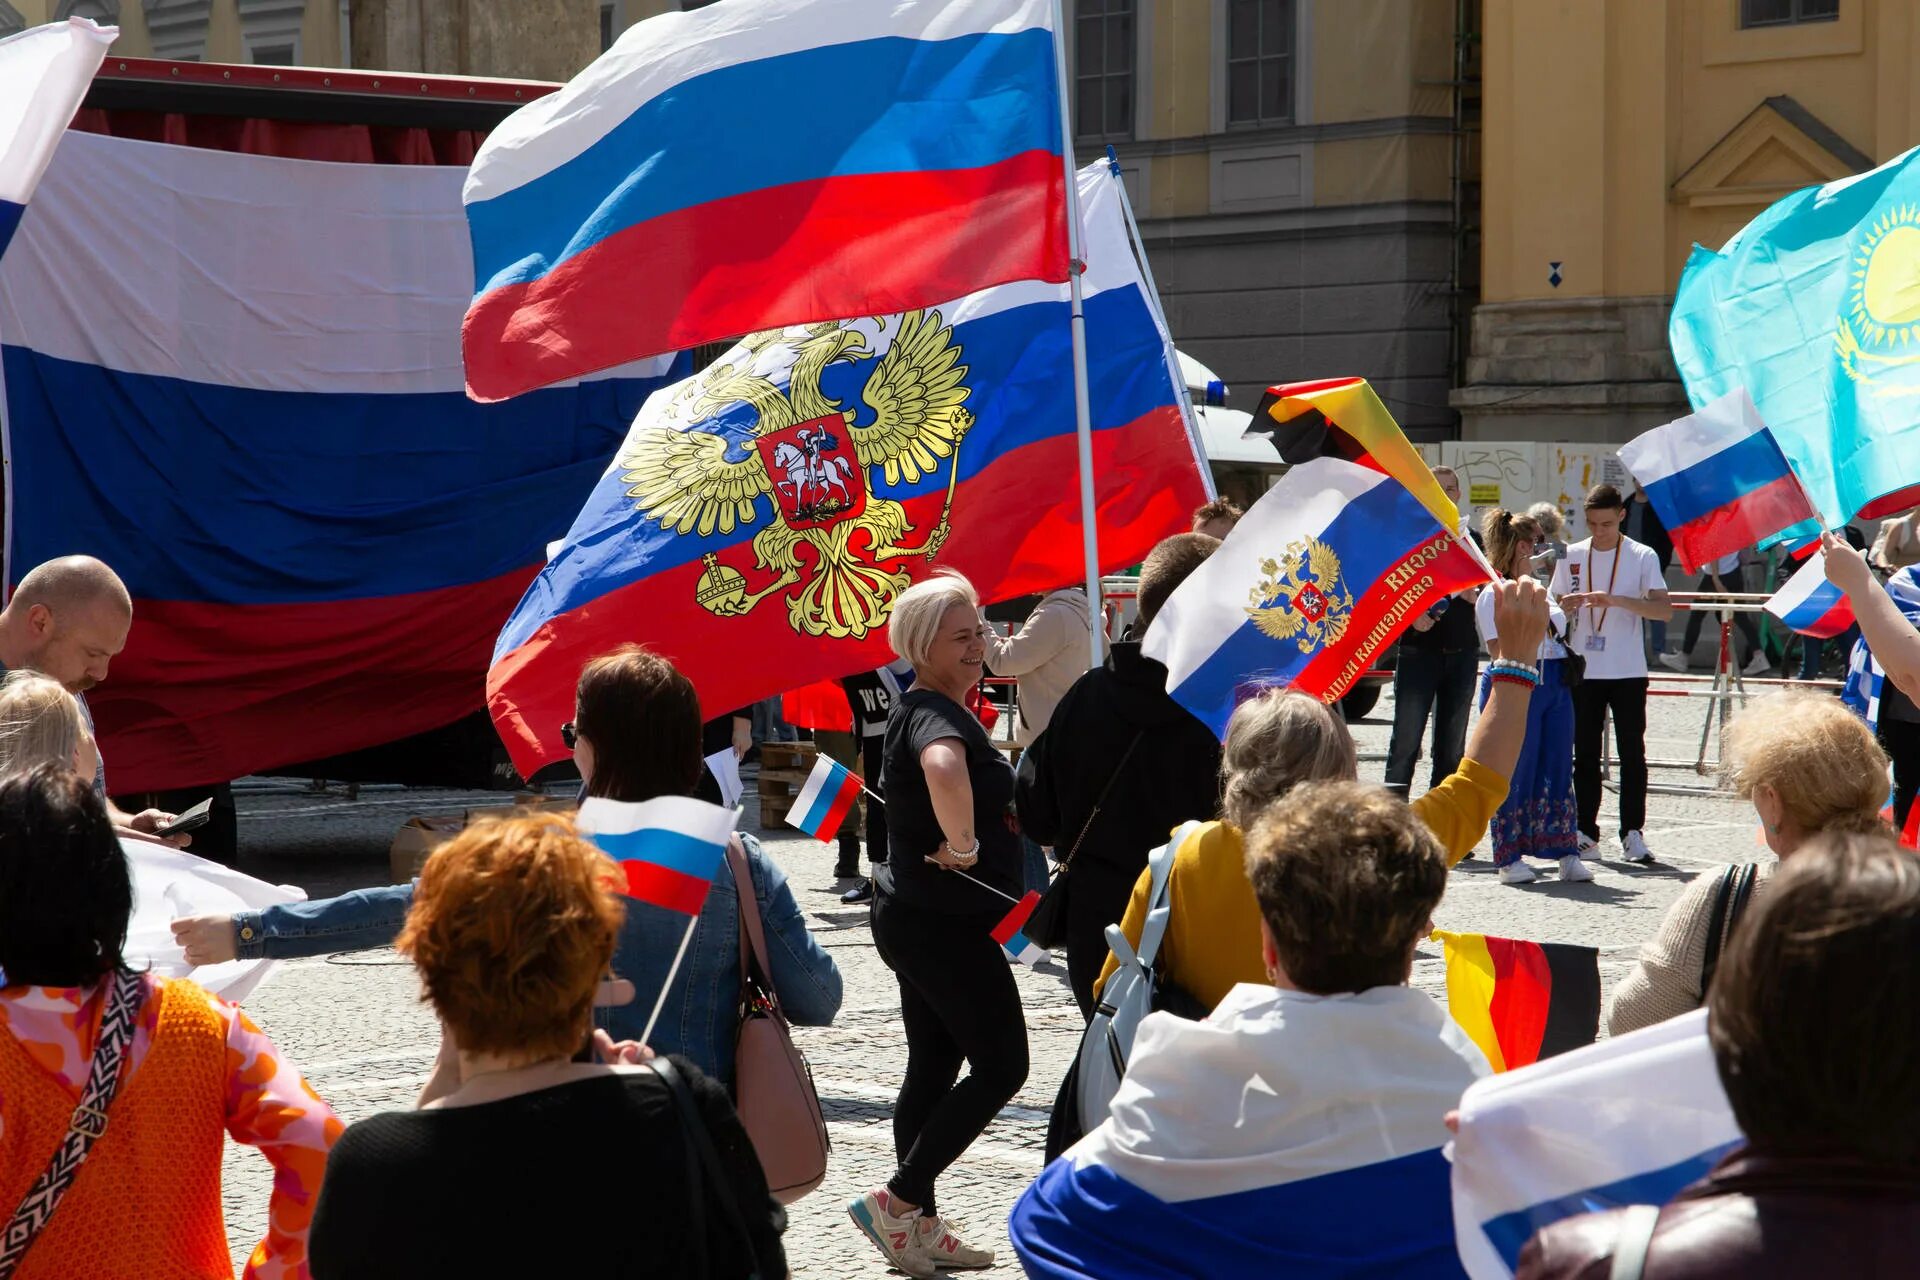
954, 862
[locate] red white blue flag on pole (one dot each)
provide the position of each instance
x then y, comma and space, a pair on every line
1718, 480
1319, 577
669, 848
1017, 944
753, 165
44, 73
1811, 605
831, 790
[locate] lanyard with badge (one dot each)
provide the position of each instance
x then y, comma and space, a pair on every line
1597, 642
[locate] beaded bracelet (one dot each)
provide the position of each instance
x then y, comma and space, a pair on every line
1513, 672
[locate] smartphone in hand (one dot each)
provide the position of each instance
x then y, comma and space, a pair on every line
192, 820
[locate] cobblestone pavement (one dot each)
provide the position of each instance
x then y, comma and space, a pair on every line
354, 1023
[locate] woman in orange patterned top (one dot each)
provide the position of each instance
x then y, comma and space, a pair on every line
145, 1199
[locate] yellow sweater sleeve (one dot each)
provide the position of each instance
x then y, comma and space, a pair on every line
1131, 924
1459, 809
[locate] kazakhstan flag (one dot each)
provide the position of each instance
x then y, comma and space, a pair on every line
1814, 308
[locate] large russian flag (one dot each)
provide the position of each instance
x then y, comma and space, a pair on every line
1287, 1135
1718, 480
1327, 568
247, 398
1809, 604
44, 73
1630, 1120
763, 516
753, 165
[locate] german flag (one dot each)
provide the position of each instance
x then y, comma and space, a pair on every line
1343, 418
1522, 1001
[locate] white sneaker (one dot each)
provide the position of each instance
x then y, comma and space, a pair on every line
1571, 869
1757, 665
948, 1251
897, 1235
1633, 847
1517, 873
1586, 845
1675, 662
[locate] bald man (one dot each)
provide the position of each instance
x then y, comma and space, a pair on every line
68, 619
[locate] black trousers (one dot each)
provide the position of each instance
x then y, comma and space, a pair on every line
1436, 682
1627, 700
1097, 898
1901, 741
958, 1005
872, 748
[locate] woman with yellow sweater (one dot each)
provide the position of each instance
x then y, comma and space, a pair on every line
1283, 738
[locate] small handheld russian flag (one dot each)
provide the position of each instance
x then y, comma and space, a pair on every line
822, 805
1811, 605
1017, 944
670, 847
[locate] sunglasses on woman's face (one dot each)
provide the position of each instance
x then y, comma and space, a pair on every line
568, 736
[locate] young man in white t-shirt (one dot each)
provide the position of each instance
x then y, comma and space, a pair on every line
1607, 585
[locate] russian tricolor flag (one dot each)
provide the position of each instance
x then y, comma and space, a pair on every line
1630, 1120
747, 166
822, 805
1315, 581
1811, 605
1017, 944
44, 73
669, 847
1718, 480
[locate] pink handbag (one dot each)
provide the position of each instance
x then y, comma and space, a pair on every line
772, 1084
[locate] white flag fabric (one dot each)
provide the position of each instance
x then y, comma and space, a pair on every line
171, 883
1630, 1120
44, 73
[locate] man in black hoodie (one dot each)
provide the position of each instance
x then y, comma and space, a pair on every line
1117, 733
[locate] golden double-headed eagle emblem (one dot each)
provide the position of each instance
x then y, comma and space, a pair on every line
828, 536
1302, 598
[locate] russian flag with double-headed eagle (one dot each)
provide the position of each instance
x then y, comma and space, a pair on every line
763, 516
752, 165
1327, 568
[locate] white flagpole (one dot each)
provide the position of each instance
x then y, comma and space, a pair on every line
1166, 330
1076, 251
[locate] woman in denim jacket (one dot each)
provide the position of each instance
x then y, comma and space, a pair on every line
636, 735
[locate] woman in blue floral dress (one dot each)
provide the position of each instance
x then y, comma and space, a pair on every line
1538, 818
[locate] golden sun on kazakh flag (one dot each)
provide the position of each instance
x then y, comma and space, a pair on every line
1882, 313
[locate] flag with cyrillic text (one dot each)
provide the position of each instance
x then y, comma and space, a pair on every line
1311, 586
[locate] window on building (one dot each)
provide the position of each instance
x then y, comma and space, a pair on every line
273, 55
1260, 66
1783, 13
1103, 68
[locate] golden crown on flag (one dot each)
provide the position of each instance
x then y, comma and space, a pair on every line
810, 456
1302, 598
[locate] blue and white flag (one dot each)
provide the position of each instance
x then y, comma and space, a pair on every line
44, 73
1287, 1135
1631, 1120
1865, 678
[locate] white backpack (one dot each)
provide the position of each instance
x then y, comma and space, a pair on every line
1127, 996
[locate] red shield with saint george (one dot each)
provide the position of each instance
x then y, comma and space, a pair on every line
817, 478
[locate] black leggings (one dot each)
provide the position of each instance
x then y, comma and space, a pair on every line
958, 1003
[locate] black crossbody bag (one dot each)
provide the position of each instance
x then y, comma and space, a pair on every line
1047, 926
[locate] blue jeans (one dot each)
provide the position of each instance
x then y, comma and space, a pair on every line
351, 922
1429, 681
1036, 865
1812, 649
